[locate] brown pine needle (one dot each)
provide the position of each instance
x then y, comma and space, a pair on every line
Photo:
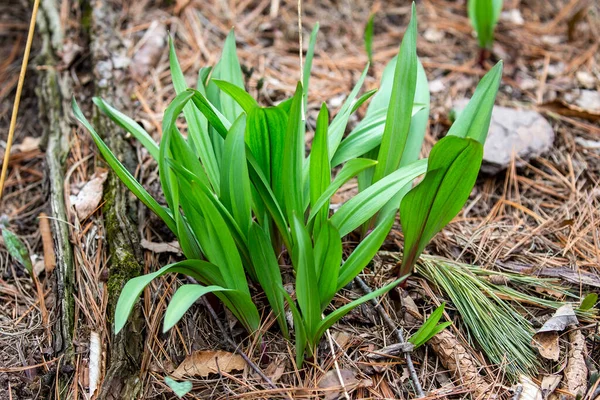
13, 119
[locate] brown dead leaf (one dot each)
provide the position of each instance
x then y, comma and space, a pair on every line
531, 391
28, 144
549, 384
202, 363
275, 369
547, 345
331, 383
89, 196
149, 50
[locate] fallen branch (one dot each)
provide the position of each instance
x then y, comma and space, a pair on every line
411, 368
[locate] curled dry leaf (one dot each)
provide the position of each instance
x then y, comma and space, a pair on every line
203, 363
95, 360
546, 338
28, 144
149, 50
331, 382
89, 196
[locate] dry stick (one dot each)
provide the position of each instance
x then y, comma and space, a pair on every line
411, 368
13, 119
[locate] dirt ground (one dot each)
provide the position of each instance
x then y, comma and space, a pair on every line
539, 217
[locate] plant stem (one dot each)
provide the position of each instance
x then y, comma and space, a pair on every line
411, 368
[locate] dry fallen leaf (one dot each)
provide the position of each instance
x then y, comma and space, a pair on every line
546, 338
203, 363
576, 371
531, 391
170, 247
275, 369
331, 383
28, 144
89, 196
549, 384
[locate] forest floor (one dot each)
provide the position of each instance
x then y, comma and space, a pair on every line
539, 217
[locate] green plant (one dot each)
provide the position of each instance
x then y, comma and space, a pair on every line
484, 15
243, 197
430, 327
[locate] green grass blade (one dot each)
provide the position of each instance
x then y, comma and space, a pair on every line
183, 299
335, 316
451, 173
307, 290
197, 132
293, 159
366, 135
426, 331
308, 61
320, 170
198, 269
349, 170
484, 15
368, 37
399, 113
123, 174
129, 125
299, 328
364, 205
236, 193
238, 94
268, 272
364, 252
328, 257
474, 121
228, 69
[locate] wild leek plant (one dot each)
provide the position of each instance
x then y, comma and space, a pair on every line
484, 15
243, 197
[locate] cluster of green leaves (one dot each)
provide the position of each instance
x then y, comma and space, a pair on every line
243, 197
484, 15
430, 327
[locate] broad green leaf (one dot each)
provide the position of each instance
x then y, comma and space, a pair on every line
299, 328
349, 170
364, 252
451, 173
236, 193
238, 94
429, 328
197, 132
368, 37
129, 125
216, 120
484, 15
474, 121
268, 272
17, 249
293, 158
588, 302
179, 388
123, 174
201, 270
307, 290
399, 113
335, 316
367, 135
183, 299
328, 257
320, 170
364, 205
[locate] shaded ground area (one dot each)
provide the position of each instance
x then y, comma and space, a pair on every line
541, 218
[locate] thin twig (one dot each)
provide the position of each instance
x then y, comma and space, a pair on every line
13, 119
411, 368
337, 365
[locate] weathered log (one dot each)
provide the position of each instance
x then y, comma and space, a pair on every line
122, 380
